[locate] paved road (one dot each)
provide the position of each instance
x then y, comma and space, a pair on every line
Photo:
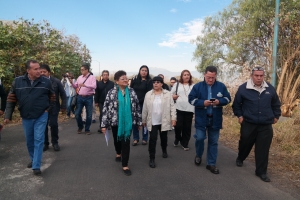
85, 169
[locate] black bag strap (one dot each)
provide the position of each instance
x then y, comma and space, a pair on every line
177, 88
84, 82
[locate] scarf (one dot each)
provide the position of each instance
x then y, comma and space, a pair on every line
124, 115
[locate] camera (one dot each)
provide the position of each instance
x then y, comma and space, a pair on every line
65, 75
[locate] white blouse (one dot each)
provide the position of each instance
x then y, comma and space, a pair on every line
156, 110
183, 92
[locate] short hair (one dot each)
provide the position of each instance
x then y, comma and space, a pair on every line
161, 75
118, 74
27, 64
86, 66
211, 69
181, 77
257, 68
105, 71
173, 78
46, 67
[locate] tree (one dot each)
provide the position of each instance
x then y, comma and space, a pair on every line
241, 36
24, 39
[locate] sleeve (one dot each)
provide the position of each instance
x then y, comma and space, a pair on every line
226, 99
97, 93
173, 109
11, 102
105, 121
138, 109
3, 98
174, 88
193, 98
62, 95
238, 103
145, 109
149, 85
75, 85
275, 104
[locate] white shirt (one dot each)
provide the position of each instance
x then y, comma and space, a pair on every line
183, 92
156, 110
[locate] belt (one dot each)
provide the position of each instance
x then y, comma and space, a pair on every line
209, 116
84, 96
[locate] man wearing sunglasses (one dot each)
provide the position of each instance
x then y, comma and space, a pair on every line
257, 106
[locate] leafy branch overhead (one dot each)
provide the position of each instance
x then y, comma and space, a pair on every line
241, 36
24, 39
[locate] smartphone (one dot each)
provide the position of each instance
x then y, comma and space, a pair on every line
212, 99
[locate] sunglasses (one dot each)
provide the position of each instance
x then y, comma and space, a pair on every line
258, 69
156, 82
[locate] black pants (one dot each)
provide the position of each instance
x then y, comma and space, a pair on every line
122, 147
52, 122
261, 136
100, 110
153, 139
183, 127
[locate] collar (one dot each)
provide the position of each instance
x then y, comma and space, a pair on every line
162, 92
250, 85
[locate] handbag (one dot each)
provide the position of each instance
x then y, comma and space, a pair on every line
74, 100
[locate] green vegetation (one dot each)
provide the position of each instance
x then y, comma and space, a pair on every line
24, 39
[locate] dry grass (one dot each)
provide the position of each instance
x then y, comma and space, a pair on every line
284, 158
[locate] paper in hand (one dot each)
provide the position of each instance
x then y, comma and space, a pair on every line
107, 136
145, 130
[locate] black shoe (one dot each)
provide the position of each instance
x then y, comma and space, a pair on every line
94, 121
198, 160
46, 147
29, 165
118, 159
165, 154
176, 143
83, 122
37, 172
213, 169
239, 162
56, 147
152, 163
127, 172
264, 177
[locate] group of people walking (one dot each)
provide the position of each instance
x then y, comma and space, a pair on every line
149, 105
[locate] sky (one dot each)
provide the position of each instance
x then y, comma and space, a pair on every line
125, 34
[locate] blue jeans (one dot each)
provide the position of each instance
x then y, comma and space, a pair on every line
136, 132
212, 143
69, 109
88, 103
34, 130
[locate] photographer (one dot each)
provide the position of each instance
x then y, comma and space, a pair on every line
67, 81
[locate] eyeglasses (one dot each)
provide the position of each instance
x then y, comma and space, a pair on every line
123, 79
156, 82
258, 69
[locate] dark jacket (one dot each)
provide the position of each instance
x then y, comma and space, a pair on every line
255, 107
141, 87
3, 98
59, 92
110, 109
197, 97
165, 86
33, 100
102, 90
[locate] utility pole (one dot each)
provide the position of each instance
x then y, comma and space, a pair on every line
275, 44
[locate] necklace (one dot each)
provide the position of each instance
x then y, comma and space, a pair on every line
186, 91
